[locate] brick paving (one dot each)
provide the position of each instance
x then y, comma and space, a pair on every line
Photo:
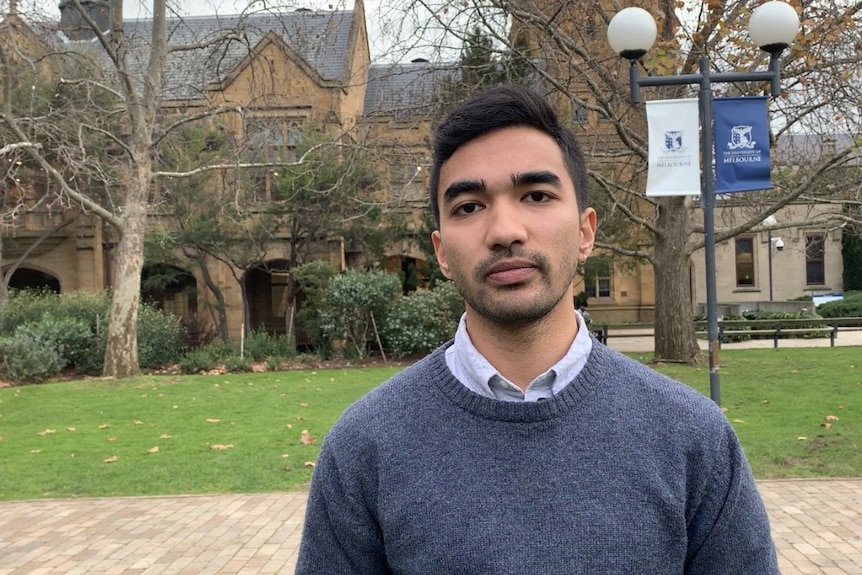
817, 526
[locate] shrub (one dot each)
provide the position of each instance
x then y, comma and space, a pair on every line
160, 338
312, 279
198, 360
354, 302
850, 306
237, 364
28, 357
76, 343
260, 345
422, 320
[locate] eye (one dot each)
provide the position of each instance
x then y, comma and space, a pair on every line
466, 208
537, 197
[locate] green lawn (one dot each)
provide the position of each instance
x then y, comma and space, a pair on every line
798, 413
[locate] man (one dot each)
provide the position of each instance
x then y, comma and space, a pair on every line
525, 446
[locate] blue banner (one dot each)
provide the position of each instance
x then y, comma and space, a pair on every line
741, 144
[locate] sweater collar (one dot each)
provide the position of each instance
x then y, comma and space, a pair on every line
587, 382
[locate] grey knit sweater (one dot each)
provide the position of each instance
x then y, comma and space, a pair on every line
624, 471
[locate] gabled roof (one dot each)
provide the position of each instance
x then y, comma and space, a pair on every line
405, 90
320, 38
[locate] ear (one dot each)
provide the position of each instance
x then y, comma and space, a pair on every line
588, 233
440, 253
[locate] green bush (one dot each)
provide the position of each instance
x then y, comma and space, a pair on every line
312, 279
850, 306
237, 364
29, 357
422, 320
76, 343
198, 360
354, 302
260, 345
76, 323
160, 338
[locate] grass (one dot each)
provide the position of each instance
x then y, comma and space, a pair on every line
214, 434
798, 413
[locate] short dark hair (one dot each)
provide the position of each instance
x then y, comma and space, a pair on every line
504, 107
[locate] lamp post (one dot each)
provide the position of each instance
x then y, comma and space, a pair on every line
772, 27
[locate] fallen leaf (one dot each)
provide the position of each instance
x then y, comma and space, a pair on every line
111, 459
285, 455
826, 425
303, 405
305, 438
46, 432
738, 421
765, 402
70, 429
724, 410
35, 451
831, 418
211, 420
72, 455
221, 447
153, 449
104, 426
290, 426
165, 436
801, 438
300, 419
309, 464
138, 422
176, 407
112, 438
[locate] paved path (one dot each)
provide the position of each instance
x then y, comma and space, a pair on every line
817, 526
641, 340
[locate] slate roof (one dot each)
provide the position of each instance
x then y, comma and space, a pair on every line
801, 149
404, 90
318, 37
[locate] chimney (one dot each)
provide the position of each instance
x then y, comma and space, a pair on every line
74, 25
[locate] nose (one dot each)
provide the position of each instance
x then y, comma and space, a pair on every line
505, 225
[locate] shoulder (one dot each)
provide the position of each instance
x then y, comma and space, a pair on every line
408, 394
653, 400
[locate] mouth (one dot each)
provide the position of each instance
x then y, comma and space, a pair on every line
510, 272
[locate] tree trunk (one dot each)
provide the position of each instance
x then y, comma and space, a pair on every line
221, 314
674, 331
121, 354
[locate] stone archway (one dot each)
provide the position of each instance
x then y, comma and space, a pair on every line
29, 278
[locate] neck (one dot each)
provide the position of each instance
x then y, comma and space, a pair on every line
522, 353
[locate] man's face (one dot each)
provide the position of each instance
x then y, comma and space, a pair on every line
510, 233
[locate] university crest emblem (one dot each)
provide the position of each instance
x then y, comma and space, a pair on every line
673, 141
741, 138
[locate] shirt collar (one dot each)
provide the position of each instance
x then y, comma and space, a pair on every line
475, 372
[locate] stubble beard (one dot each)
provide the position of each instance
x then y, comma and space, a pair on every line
508, 305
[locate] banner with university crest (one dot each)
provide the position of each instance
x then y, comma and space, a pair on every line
741, 144
674, 148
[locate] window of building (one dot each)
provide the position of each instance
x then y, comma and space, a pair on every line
271, 140
745, 261
597, 276
815, 272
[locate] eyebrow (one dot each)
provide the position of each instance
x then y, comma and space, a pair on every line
455, 189
537, 177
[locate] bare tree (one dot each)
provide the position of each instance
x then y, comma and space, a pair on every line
566, 44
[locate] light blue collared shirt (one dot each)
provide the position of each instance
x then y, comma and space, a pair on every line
472, 369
